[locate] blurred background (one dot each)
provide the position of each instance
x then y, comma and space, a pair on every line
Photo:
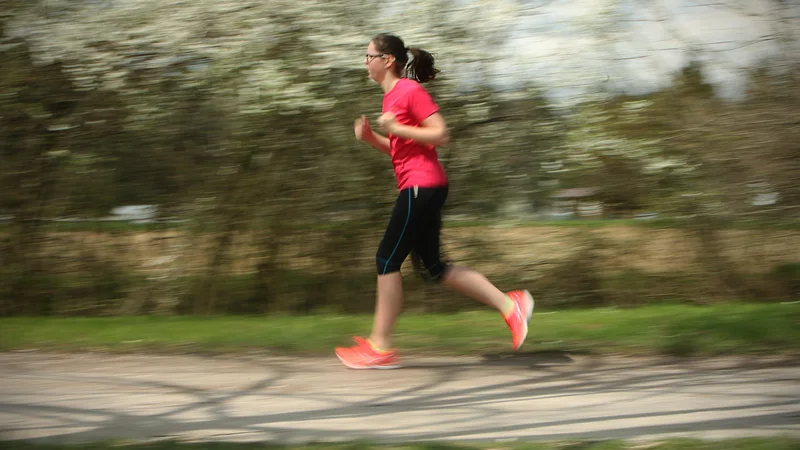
197, 157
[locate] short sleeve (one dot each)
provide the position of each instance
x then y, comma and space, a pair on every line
421, 104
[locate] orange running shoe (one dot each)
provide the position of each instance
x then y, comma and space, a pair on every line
364, 356
518, 319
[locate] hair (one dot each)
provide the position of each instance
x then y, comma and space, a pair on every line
421, 68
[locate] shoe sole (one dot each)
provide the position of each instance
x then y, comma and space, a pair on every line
378, 367
529, 301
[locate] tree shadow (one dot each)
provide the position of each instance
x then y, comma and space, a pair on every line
530, 396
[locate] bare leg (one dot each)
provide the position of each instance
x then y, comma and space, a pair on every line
473, 284
387, 308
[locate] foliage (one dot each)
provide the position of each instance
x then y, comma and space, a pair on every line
237, 116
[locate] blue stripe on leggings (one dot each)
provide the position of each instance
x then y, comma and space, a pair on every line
408, 217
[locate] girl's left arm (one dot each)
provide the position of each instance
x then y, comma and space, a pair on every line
432, 130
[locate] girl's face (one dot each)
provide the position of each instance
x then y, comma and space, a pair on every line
377, 63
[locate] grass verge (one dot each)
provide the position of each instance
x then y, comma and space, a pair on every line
681, 330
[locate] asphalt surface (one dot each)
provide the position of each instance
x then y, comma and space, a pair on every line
525, 396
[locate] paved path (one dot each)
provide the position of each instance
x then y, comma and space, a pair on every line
534, 396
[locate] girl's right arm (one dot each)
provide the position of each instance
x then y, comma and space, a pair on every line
379, 142
364, 133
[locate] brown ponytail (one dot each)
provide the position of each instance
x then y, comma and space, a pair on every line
421, 68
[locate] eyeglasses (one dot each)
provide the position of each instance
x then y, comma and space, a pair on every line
368, 58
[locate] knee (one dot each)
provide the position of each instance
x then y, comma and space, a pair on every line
434, 274
384, 265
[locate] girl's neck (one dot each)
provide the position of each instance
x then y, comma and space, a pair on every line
388, 82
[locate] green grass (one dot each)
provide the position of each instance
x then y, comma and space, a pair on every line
682, 330
777, 443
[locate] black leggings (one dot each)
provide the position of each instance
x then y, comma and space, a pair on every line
414, 228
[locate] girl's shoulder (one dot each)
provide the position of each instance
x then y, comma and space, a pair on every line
413, 88
409, 84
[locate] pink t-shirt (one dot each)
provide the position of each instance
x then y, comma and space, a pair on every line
414, 164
